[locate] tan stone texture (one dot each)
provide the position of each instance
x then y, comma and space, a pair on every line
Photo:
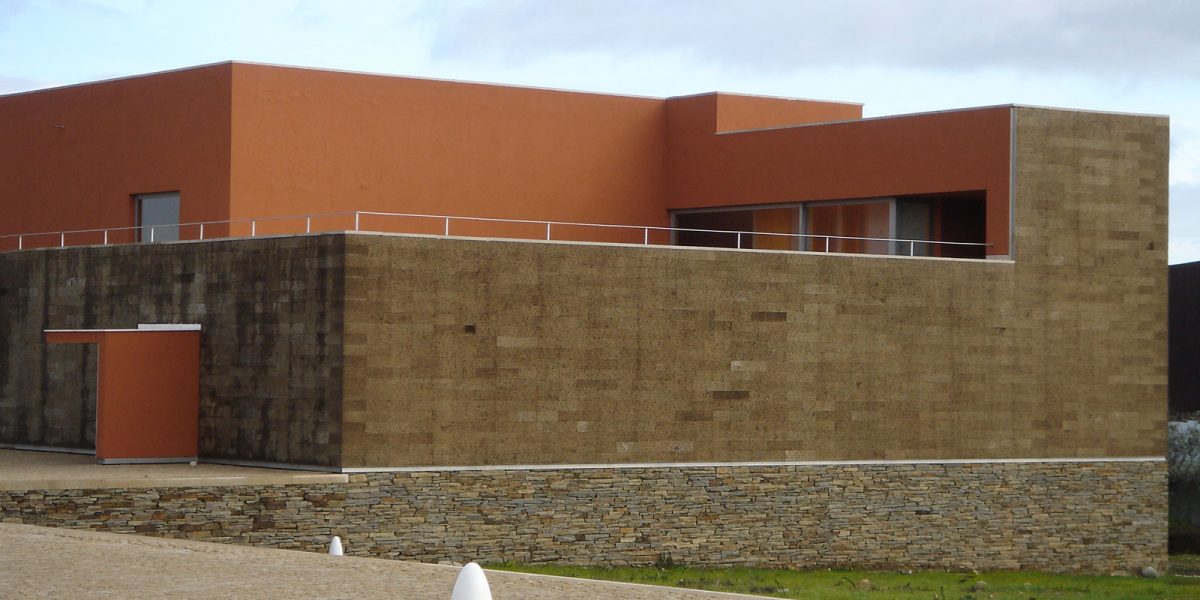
461, 352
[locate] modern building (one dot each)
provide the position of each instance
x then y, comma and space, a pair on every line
1184, 342
939, 338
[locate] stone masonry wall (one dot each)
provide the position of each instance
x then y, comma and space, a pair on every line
1094, 517
271, 355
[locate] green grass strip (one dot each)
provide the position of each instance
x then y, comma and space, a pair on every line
925, 585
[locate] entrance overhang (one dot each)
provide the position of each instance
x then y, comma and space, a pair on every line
147, 392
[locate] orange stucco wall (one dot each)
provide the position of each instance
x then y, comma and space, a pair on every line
251, 141
71, 157
739, 112
949, 151
307, 141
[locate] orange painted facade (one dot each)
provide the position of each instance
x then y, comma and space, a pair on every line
72, 157
148, 392
932, 153
241, 141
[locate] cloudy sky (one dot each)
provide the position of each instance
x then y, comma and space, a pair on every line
896, 56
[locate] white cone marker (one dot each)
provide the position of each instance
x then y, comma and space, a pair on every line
471, 584
335, 546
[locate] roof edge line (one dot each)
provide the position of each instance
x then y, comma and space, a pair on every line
1086, 110
119, 78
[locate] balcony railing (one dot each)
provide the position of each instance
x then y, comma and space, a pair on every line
457, 226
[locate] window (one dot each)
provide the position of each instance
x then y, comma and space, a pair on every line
158, 217
859, 227
764, 228
947, 225
940, 224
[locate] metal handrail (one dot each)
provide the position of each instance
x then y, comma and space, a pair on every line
447, 219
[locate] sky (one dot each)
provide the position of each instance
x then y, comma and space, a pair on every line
895, 56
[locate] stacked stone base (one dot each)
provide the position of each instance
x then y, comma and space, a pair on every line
1096, 517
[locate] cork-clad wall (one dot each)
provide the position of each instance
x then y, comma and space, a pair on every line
270, 351
489, 352
1091, 231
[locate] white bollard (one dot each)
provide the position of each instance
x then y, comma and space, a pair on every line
335, 546
471, 584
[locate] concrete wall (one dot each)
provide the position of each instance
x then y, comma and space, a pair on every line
270, 356
1096, 517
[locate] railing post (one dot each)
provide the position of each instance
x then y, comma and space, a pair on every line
202, 231
739, 241
105, 237
20, 242
151, 234
62, 239
547, 232
253, 227
446, 228
356, 220
826, 244
645, 236
912, 248
308, 224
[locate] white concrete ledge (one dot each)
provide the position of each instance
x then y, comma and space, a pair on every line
790, 463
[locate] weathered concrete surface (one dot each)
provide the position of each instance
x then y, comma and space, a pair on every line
38, 562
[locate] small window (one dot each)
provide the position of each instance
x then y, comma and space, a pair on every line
714, 229
759, 227
158, 217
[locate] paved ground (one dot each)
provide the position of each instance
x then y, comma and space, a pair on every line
39, 562
23, 470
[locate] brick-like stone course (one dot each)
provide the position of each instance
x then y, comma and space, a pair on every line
1057, 516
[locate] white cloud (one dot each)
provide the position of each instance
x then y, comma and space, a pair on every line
1104, 37
74, 41
1184, 245
896, 56
9, 85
